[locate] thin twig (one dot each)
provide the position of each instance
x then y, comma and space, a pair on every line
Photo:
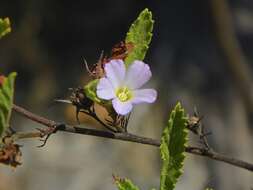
25, 135
127, 137
34, 117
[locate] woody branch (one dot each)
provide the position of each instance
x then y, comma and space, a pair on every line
119, 136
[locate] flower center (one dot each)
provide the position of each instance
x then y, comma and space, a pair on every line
124, 94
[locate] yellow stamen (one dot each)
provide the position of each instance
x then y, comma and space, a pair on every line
124, 94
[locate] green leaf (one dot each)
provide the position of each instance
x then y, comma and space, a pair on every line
6, 100
124, 184
90, 91
172, 148
5, 26
140, 34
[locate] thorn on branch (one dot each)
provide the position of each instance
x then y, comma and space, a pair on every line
46, 133
86, 66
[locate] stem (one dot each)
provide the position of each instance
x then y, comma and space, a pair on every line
25, 135
124, 137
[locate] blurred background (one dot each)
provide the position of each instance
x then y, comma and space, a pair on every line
200, 55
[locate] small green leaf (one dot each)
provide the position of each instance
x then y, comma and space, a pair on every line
90, 90
5, 26
140, 34
6, 100
125, 184
172, 148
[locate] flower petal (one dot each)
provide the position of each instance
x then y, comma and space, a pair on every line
122, 108
105, 89
137, 74
115, 71
144, 95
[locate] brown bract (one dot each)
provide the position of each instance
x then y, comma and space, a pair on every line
119, 51
2, 77
10, 153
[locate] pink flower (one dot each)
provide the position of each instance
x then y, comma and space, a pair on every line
122, 85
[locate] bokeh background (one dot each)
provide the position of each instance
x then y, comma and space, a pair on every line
201, 55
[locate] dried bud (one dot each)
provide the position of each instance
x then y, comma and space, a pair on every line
79, 99
193, 124
10, 154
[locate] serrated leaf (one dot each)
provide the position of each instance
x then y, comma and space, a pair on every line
172, 148
125, 184
140, 34
5, 26
90, 91
6, 100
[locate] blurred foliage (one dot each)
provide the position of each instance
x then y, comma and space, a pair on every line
5, 26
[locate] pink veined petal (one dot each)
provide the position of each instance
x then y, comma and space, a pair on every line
122, 108
105, 89
115, 71
144, 96
137, 74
